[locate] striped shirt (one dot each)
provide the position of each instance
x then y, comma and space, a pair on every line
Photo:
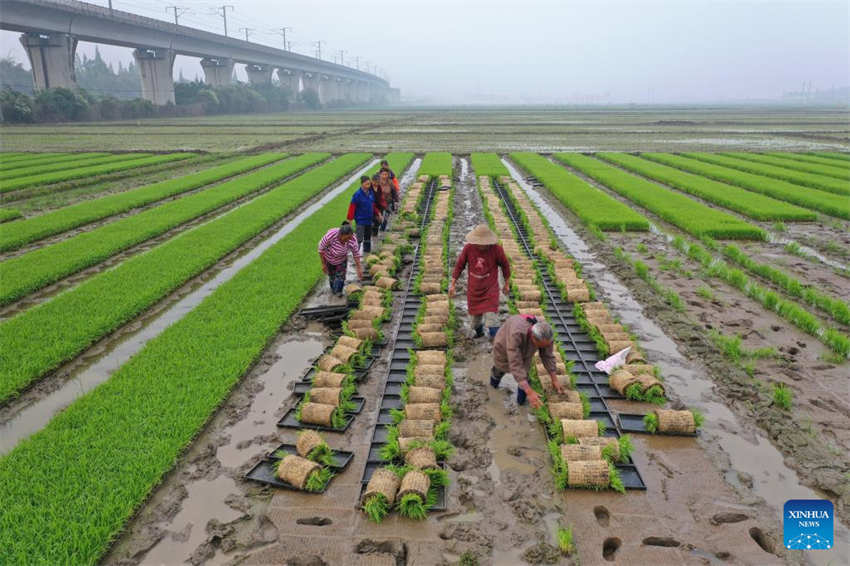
336, 251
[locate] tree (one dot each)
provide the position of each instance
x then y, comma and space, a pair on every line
14, 76
60, 105
15, 107
310, 98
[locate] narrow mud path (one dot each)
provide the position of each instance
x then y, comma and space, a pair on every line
742, 469
34, 409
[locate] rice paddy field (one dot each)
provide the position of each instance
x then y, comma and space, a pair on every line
179, 385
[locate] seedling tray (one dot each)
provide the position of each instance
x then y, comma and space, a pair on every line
301, 388
634, 423
341, 458
289, 421
264, 472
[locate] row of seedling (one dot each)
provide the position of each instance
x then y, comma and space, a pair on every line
635, 379
417, 441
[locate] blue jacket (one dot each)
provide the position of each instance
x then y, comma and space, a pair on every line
362, 207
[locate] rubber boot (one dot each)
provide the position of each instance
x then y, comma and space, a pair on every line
520, 396
479, 331
495, 378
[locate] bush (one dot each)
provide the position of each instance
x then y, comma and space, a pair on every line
15, 107
60, 105
310, 98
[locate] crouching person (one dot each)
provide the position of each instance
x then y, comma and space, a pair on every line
516, 342
334, 248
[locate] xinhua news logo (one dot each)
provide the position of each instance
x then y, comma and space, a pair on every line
807, 524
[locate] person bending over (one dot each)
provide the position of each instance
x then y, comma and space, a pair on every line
334, 248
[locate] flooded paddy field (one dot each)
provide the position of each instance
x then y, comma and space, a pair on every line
749, 329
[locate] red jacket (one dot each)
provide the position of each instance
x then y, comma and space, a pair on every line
482, 289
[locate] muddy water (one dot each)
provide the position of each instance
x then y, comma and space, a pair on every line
206, 499
752, 453
775, 238
34, 417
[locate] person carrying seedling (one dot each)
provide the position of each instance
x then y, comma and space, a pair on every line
333, 251
516, 342
483, 256
362, 210
379, 222
389, 193
385, 166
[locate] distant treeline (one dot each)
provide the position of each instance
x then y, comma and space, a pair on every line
120, 98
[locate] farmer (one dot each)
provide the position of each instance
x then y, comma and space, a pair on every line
388, 192
385, 166
333, 251
379, 224
513, 349
484, 256
362, 210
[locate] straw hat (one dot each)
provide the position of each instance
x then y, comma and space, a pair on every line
482, 236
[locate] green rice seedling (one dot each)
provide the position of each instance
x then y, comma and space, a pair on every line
615, 481
376, 508
585, 404
443, 449
391, 450
828, 203
780, 227
559, 469
91, 172
413, 507
338, 418
699, 418
487, 164
318, 480
803, 179
592, 206
797, 163
565, 541
397, 415
436, 163
654, 395
705, 292
650, 422
681, 211
602, 428
9, 214
782, 396
642, 248
468, 558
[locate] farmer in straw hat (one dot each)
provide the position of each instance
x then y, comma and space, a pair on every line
483, 255
514, 347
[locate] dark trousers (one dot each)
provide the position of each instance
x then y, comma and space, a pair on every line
364, 237
336, 276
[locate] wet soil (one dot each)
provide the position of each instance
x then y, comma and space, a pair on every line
502, 506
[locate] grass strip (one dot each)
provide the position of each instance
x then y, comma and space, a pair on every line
82, 160
683, 212
112, 298
828, 203
488, 164
68, 489
588, 203
7, 214
837, 341
838, 309
9, 159
93, 171
748, 203
436, 163
47, 159
812, 159
830, 155
29, 272
14, 236
797, 166
822, 182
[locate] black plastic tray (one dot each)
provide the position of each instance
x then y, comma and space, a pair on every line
264, 472
289, 421
342, 458
634, 423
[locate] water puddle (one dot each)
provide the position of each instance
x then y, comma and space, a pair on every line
188, 528
754, 455
295, 358
35, 416
777, 239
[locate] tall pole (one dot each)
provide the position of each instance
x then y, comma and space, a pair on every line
246, 30
178, 11
342, 56
224, 16
319, 49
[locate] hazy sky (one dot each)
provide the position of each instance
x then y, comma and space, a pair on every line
548, 50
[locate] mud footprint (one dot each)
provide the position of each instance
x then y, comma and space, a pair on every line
602, 515
763, 540
315, 521
610, 548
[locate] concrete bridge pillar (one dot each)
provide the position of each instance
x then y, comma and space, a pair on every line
289, 80
51, 58
217, 71
259, 74
325, 89
312, 82
156, 67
